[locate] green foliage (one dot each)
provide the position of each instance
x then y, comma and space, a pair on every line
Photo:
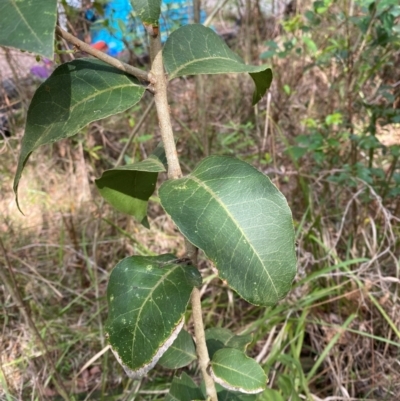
76, 94
262, 81
147, 299
219, 337
345, 138
225, 207
180, 353
184, 389
271, 395
235, 371
237, 138
337, 70
148, 11
225, 395
128, 188
336, 65
242, 222
195, 49
28, 25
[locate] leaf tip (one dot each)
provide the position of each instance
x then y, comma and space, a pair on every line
145, 222
15, 188
262, 81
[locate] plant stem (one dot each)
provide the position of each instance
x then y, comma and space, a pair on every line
247, 37
196, 11
137, 72
201, 347
159, 82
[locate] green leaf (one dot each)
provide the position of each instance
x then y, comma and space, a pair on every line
297, 152
262, 80
312, 47
147, 10
147, 298
286, 384
184, 389
76, 94
241, 221
235, 371
128, 188
28, 25
195, 49
180, 353
218, 338
271, 395
225, 395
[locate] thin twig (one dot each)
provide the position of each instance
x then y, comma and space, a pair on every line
134, 132
137, 72
267, 117
196, 11
92, 360
214, 12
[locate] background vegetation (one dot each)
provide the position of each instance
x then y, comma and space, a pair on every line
328, 136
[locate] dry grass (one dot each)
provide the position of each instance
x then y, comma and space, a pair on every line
336, 336
62, 252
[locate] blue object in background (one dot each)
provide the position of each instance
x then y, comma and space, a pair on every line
120, 21
117, 14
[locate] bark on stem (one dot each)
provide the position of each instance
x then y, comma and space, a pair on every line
159, 82
201, 346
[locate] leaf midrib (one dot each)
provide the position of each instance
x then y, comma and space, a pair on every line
212, 58
214, 195
156, 164
71, 109
235, 371
183, 351
163, 277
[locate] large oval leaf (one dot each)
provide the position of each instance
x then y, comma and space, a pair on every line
128, 188
147, 299
76, 94
147, 10
235, 371
195, 49
180, 353
241, 221
28, 25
